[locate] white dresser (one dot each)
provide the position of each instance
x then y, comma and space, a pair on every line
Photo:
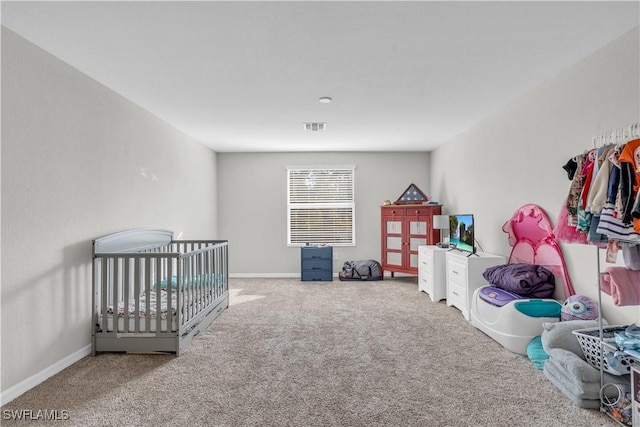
431, 272
464, 276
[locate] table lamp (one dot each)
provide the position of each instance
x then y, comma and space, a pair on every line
441, 222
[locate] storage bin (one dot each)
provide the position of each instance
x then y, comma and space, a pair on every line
616, 402
589, 340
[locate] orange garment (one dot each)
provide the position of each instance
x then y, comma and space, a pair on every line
628, 156
627, 153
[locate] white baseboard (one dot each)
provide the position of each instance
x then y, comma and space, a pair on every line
262, 275
387, 275
26, 385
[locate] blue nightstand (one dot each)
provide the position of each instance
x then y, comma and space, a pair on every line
316, 263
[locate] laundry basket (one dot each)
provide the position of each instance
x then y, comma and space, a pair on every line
589, 340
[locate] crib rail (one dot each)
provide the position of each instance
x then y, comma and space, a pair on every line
204, 266
160, 292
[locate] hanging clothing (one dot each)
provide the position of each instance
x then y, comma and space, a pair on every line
631, 256
614, 184
604, 190
635, 211
587, 175
610, 224
566, 232
629, 179
597, 197
593, 236
587, 180
571, 166
573, 199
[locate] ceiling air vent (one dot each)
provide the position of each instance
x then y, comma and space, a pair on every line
315, 126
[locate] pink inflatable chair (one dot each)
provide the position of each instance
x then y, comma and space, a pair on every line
511, 319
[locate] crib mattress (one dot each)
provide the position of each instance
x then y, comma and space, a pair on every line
128, 325
129, 314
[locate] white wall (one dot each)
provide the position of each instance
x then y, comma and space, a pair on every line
78, 161
516, 156
253, 204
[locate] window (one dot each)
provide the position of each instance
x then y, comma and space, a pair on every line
320, 205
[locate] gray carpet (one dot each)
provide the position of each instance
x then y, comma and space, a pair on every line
291, 353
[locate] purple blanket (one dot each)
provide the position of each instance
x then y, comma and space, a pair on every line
528, 280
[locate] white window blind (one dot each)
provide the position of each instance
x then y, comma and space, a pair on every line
320, 205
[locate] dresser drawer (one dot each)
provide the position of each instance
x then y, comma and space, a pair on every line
425, 261
457, 295
420, 211
411, 211
424, 272
392, 212
457, 272
317, 253
317, 264
319, 276
426, 283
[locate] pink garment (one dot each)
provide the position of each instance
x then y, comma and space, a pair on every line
622, 284
566, 232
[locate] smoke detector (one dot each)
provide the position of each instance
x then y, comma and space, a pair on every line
315, 126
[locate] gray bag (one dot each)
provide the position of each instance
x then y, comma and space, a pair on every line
361, 270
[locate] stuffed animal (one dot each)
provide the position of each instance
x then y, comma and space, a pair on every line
577, 312
579, 307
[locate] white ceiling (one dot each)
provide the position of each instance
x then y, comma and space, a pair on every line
244, 76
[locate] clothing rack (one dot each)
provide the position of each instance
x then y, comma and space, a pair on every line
617, 136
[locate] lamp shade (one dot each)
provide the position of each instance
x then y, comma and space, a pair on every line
441, 222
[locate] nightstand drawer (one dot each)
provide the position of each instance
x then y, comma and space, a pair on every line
457, 272
319, 275
426, 283
424, 272
313, 253
457, 295
425, 262
317, 264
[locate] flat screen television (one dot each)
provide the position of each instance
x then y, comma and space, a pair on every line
461, 233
